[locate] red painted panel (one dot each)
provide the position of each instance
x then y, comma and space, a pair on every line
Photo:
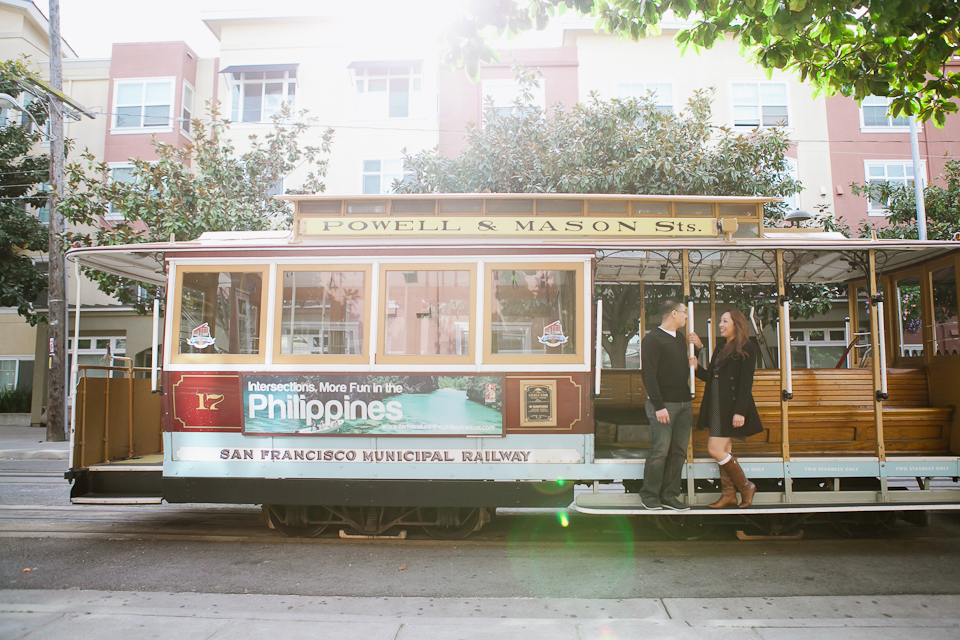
574, 408
205, 402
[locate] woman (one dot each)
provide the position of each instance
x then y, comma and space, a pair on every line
728, 409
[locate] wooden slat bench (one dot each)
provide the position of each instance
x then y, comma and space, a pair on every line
831, 412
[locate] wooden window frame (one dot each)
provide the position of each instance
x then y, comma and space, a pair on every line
895, 338
926, 278
384, 358
202, 358
290, 358
491, 358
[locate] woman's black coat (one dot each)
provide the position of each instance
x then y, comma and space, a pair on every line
735, 377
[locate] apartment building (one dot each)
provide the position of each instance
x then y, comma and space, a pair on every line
378, 82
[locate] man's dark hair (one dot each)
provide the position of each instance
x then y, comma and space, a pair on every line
669, 305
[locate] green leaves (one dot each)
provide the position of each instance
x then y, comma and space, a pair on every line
204, 186
22, 236
899, 47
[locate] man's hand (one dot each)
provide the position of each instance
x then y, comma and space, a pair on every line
663, 416
692, 362
694, 339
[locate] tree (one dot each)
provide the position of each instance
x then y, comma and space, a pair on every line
22, 234
942, 205
895, 48
608, 146
203, 186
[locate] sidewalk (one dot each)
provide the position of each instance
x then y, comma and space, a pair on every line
29, 443
121, 615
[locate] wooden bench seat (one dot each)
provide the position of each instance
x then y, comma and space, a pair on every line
831, 412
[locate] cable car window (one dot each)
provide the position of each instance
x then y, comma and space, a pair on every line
534, 312
909, 317
427, 312
220, 312
946, 342
322, 312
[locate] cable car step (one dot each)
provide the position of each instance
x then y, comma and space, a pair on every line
117, 500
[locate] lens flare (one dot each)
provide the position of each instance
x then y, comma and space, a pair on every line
562, 517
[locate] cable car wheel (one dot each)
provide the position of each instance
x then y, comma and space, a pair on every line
451, 523
294, 520
686, 527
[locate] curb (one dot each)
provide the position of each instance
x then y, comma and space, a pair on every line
33, 454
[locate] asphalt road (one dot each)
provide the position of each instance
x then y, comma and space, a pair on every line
216, 549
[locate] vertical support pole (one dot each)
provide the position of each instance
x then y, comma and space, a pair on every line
643, 323
847, 336
712, 332
106, 418
599, 348
79, 460
153, 345
688, 298
783, 334
876, 340
130, 407
74, 365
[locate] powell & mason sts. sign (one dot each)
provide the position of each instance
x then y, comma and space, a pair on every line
549, 226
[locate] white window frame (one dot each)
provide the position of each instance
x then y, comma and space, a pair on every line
506, 91
760, 103
168, 128
237, 91
92, 350
112, 215
386, 186
887, 128
16, 372
874, 211
806, 343
793, 171
626, 90
361, 78
187, 111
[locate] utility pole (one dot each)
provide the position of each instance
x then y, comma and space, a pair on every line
57, 286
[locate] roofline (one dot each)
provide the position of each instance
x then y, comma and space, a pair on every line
41, 20
525, 196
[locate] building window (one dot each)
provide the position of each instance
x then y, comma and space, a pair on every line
387, 91
660, 92
897, 172
186, 108
875, 116
506, 93
760, 104
8, 375
793, 200
257, 96
818, 348
119, 172
143, 104
379, 176
94, 351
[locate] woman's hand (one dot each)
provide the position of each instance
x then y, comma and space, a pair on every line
738, 420
692, 361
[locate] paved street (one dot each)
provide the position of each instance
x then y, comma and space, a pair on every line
211, 571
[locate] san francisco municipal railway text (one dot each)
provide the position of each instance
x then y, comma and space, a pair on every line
361, 455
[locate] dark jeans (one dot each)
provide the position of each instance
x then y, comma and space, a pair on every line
668, 451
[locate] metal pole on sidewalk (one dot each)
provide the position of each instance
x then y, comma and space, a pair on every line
918, 181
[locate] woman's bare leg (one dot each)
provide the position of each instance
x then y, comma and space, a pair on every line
719, 448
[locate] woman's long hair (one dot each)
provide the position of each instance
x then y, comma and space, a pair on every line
741, 335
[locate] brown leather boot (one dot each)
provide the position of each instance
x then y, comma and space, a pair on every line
744, 486
728, 495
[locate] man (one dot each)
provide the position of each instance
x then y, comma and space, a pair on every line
666, 377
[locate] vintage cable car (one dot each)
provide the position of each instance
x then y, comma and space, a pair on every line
421, 360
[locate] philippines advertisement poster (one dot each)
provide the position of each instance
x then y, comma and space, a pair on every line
313, 404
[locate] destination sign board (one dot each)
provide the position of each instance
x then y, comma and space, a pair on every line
493, 226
